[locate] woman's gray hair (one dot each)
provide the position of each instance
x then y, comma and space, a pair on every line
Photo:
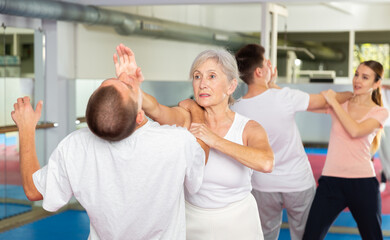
224, 58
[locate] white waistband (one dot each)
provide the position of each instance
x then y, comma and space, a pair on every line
247, 200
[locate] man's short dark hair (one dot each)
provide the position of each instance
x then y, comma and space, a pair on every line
109, 116
248, 59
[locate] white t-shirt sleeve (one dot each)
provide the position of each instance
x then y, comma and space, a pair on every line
53, 183
298, 99
195, 166
386, 103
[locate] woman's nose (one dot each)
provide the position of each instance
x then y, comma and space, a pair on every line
202, 83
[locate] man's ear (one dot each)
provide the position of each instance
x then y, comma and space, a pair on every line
140, 116
258, 73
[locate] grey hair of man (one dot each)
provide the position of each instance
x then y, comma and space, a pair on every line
224, 58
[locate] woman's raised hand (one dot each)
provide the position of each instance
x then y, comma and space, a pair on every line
201, 131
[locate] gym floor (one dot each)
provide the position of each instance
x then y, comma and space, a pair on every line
74, 224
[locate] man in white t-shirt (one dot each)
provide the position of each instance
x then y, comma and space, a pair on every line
127, 172
384, 149
291, 184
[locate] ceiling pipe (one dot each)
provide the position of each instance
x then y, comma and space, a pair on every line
124, 23
131, 24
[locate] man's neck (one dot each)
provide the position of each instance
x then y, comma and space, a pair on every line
255, 89
142, 123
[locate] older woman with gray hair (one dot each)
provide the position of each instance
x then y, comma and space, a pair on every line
224, 207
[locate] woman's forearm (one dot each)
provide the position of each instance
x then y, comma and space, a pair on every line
259, 159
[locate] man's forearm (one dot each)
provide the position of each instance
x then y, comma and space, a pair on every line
28, 163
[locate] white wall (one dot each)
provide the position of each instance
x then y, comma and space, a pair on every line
170, 60
306, 17
320, 17
159, 59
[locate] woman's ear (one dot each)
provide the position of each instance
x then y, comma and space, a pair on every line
377, 84
232, 87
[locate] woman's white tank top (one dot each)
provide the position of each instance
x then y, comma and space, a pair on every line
225, 179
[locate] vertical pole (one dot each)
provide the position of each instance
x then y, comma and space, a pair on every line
274, 42
351, 53
265, 28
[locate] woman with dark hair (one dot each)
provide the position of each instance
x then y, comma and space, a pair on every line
348, 178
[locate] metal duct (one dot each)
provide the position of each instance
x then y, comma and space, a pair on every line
129, 24
124, 23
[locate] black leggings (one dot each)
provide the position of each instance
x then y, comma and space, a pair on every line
334, 194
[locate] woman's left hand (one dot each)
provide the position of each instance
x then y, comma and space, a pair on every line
201, 131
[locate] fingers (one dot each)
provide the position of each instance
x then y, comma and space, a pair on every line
195, 130
121, 56
13, 116
26, 101
125, 54
130, 53
16, 107
116, 63
139, 75
196, 124
38, 109
120, 53
115, 59
20, 101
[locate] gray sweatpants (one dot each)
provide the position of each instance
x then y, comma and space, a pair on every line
271, 204
384, 152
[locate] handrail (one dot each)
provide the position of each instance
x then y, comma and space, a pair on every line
81, 120
40, 125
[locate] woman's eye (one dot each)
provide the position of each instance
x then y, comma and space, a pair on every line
196, 77
212, 76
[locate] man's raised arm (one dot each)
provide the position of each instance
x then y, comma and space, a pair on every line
26, 120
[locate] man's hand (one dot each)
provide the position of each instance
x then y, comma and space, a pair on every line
24, 115
273, 77
330, 96
127, 63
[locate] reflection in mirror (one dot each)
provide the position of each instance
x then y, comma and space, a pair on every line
16, 80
